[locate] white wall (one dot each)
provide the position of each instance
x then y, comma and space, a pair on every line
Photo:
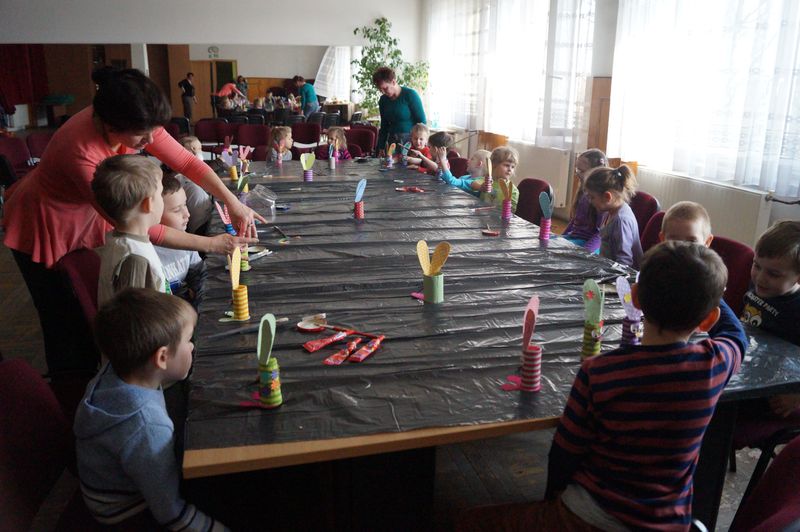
266, 60
313, 22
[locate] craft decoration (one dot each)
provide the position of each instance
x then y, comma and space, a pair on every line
440, 255
432, 277
632, 328
340, 356
233, 173
226, 158
279, 150
530, 377
269, 389
486, 188
506, 188
358, 205
424, 257
389, 153
409, 189
592, 328
547, 214
307, 162
367, 350
404, 151
315, 345
226, 219
242, 184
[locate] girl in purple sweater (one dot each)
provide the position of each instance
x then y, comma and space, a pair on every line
585, 222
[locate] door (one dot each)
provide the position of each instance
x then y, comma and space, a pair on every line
202, 89
225, 72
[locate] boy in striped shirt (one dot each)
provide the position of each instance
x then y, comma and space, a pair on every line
626, 447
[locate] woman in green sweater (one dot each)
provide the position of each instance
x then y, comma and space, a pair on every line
400, 107
308, 96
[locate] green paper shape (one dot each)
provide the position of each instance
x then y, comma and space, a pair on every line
593, 302
266, 337
307, 160
546, 205
242, 182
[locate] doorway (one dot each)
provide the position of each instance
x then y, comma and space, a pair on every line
209, 77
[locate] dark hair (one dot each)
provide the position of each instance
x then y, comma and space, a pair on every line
298, 78
127, 100
595, 158
383, 74
189, 74
171, 184
679, 284
620, 180
440, 139
135, 323
781, 240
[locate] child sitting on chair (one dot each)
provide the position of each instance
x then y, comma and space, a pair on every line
625, 450
128, 189
476, 169
687, 221
124, 437
420, 154
504, 161
185, 270
281, 143
335, 138
585, 222
198, 201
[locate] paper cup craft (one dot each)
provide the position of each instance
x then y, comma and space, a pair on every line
547, 214
530, 377
241, 306
307, 162
593, 326
486, 188
358, 206
269, 374
389, 155
243, 184
432, 277
279, 151
632, 329
244, 263
506, 188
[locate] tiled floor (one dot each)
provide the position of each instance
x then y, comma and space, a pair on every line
507, 469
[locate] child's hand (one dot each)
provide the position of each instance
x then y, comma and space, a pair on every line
475, 185
444, 162
784, 405
415, 153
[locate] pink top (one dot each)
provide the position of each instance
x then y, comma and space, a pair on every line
229, 89
52, 210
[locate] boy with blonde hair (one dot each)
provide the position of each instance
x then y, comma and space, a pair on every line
281, 142
198, 201
128, 189
504, 162
686, 221
124, 438
476, 169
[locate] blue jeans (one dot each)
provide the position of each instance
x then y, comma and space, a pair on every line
311, 107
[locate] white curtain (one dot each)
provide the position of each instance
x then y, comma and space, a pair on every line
513, 67
710, 88
334, 77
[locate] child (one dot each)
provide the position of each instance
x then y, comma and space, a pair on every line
198, 201
773, 301
124, 437
476, 169
687, 221
282, 140
336, 137
504, 162
585, 222
185, 270
609, 191
420, 153
626, 447
128, 189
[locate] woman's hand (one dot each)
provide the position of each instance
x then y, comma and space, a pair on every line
225, 244
242, 219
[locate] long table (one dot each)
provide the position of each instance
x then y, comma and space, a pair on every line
437, 377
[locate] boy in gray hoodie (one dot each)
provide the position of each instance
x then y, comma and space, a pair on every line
126, 461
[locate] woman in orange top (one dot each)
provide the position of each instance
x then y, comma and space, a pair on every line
52, 211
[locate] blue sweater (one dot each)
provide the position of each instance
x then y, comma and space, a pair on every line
126, 461
460, 182
307, 94
399, 115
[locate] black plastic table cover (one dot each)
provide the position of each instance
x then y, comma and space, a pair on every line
440, 365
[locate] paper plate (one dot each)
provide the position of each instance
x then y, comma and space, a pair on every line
309, 327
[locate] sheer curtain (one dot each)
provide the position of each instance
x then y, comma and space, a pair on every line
710, 89
334, 76
513, 67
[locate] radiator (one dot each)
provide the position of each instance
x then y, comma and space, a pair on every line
550, 164
736, 212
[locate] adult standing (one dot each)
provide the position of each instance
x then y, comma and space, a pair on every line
188, 96
308, 96
400, 108
241, 85
53, 211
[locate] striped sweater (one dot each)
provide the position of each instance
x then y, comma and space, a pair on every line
631, 431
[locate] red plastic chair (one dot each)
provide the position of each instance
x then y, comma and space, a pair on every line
369, 127
365, 138
528, 205
458, 166
649, 237
16, 151
37, 142
738, 258
775, 502
644, 206
306, 133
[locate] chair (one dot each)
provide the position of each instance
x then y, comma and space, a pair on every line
37, 142
184, 127
331, 120
81, 271
738, 258
355, 150
644, 206
280, 116
260, 153
775, 502
295, 119
306, 133
356, 117
214, 106
369, 127
173, 130
238, 119
205, 130
649, 237
256, 119
16, 151
528, 205
452, 153
316, 117
458, 166
7, 175
253, 135
365, 139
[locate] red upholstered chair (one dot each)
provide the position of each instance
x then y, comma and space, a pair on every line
458, 166
260, 153
355, 150
174, 130
253, 135
452, 153
644, 206
738, 258
528, 205
775, 502
371, 128
365, 138
37, 142
649, 237
81, 270
223, 130
306, 133
16, 151
206, 131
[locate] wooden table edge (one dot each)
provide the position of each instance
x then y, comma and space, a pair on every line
219, 461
